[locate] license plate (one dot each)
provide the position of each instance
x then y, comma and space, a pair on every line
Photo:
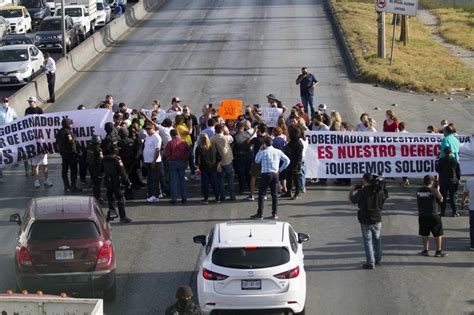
5, 80
251, 284
49, 45
64, 254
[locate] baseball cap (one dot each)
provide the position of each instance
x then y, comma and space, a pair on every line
322, 106
299, 105
5, 99
271, 96
31, 99
175, 99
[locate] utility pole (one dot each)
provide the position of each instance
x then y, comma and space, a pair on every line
63, 27
393, 38
381, 39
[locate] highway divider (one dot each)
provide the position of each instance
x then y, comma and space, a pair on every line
79, 58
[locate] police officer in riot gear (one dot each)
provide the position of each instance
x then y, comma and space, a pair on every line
127, 153
114, 175
68, 147
184, 304
94, 157
112, 138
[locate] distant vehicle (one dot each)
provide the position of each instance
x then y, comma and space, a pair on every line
252, 265
65, 245
49, 35
19, 64
16, 39
52, 6
104, 14
38, 10
19, 18
4, 26
83, 14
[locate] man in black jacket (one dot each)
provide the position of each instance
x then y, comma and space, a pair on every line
370, 198
69, 149
449, 174
184, 304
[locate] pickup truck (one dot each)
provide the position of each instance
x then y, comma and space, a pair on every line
49, 35
39, 304
83, 14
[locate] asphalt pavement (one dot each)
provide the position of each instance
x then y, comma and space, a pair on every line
207, 50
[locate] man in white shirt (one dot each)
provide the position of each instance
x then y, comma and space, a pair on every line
7, 115
152, 160
50, 70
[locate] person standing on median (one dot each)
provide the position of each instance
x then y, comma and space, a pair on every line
307, 83
429, 219
270, 159
50, 70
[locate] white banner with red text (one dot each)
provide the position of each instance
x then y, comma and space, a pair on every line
34, 135
352, 154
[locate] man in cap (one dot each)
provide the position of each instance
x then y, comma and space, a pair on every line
307, 83
50, 70
33, 108
7, 115
69, 149
184, 304
175, 106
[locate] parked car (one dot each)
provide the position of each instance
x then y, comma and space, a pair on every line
84, 16
4, 26
19, 64
252, 265
65, 244
104, 14
38, 10
16, 39
18, 17
49, 35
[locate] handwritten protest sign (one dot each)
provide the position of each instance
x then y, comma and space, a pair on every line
270, 115
230, 109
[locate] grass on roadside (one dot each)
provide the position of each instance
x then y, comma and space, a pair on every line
456, 24
423, 65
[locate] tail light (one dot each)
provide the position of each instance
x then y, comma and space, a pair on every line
289, 274
213, 276
105, 254
24, 259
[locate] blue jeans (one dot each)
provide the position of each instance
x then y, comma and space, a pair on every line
177, 174
308, 102
471, 226
372, 242
229, 171
303, 176
206, 179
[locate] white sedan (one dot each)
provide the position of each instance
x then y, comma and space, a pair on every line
252, 265
103, 14
19, 64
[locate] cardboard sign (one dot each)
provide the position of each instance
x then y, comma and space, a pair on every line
270, 115
230, 109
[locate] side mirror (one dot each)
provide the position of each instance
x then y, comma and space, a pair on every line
111, 215
302, 237
15, 218
27, 15
200, 239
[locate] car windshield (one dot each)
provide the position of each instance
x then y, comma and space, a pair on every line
51, 25
31, 3
10, 13
63, 230
100, 6
12, 55
250, 257
72, 12
16, 41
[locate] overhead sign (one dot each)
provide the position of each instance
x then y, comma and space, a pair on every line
351, 154
230, 109
402, 7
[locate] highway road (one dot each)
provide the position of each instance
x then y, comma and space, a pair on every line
207, 50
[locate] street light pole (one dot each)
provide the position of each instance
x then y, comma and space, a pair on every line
63, 28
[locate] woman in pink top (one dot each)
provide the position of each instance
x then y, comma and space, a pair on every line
390, 124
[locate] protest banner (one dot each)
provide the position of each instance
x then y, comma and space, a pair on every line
352, 154
270, 115
34, 135
230, 109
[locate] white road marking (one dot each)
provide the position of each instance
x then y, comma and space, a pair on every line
165, 75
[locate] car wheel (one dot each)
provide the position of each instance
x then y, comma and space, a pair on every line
92, 28
111, 294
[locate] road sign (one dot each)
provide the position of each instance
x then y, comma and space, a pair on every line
402, 7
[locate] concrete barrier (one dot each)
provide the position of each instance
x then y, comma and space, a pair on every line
81, 56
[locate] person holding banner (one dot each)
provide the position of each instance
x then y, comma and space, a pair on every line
449, 174
450, 141
307, 83
369, 198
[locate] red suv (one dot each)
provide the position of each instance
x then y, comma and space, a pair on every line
65, 245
